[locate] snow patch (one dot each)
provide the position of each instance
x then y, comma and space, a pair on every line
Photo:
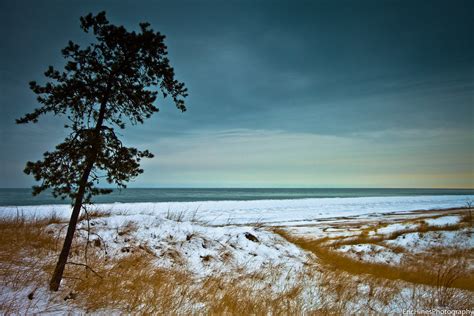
443, 221
392, 228
421, 242
371, 253
202, 250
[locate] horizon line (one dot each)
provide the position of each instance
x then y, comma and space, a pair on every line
271, 188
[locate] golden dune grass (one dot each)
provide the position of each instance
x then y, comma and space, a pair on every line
436, 268
133, 284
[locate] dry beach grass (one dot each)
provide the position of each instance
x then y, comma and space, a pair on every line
330, 283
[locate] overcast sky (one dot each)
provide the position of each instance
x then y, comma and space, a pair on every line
281, 93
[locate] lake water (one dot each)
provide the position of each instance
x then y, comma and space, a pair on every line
22, 197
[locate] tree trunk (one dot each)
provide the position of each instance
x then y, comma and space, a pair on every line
62, 260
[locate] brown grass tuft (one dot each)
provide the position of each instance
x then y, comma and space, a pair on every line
26, 252
93, 214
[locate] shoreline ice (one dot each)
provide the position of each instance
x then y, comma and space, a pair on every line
261, 211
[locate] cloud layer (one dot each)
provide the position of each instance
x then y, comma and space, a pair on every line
282, 93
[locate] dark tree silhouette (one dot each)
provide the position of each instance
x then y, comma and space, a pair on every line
103, 86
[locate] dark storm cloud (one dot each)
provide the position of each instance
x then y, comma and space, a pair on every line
323, 67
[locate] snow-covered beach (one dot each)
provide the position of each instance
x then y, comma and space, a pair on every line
287, 255
276, 212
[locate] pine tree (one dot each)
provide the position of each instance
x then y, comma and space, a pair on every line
103, 87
